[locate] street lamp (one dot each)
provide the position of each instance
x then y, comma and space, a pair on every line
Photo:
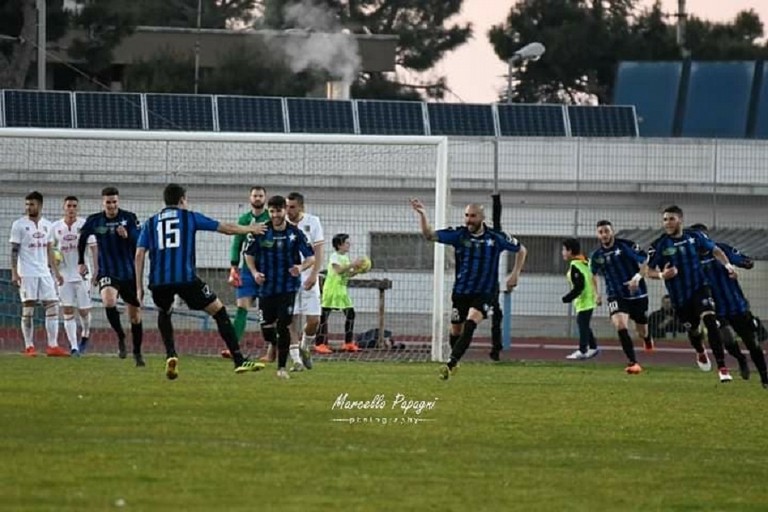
530, 52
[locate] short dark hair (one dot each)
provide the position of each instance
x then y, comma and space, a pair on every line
109, 191
573, 245
295, 196
258, 187
603, 222
699, 227
339, 239
674, 210
173, 193
71, 198
276, 202
34, 196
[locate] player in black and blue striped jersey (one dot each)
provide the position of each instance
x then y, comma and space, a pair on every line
732, 307
477, 250
674, 257
621, 263
116, 232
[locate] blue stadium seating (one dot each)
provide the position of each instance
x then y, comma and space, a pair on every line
718, 99
517, 120
653, 88
460, 119
111, 111
38, 109
250, 114
320, 116
180, 112
602, 121
390, 117
761, 125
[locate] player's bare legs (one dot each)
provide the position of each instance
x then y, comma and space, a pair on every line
109, 298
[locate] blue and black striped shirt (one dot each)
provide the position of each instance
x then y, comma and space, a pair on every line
727, 293
683, 253
116, 254
618, 264
477, 258
275, 252
169, 238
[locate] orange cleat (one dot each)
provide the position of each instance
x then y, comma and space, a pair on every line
633, 369
56, 351
350, 347
323, 349
30, 352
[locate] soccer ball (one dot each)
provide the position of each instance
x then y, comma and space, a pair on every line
365, 266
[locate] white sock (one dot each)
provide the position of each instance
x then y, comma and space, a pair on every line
293, 350
27, 330
85, 324
307, 341
70, 327
52, 325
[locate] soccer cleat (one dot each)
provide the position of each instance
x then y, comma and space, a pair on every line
56, 351
282, 374
350, 347
703, 361
744, 368
172, 368
226, 354
83, 345
494, 355
306, 357
649, 345
30, 352
724, 374
446, 372
139, 361
633, 369
323, 349
576, 355
249, 366
73, 352
298, 366
592, 352
122, 353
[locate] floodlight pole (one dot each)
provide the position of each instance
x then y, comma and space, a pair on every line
41, 44
197, 44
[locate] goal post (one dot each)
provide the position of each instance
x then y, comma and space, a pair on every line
356, 184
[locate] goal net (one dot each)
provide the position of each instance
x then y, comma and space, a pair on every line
358, 185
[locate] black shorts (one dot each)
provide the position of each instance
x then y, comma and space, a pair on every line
126, 289
701, 302
462, 303
637, 309
277, 308
196, 294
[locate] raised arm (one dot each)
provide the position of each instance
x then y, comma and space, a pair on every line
426, 229
236, 229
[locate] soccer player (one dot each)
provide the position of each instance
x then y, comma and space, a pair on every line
32, 261
583, 297
116, 232
75, 292
169, 238
477, 249
732, 307
275, 260
674, 258
246, 290
308, 296
622, 263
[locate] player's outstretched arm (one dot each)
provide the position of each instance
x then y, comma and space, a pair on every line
426, 229
236, 229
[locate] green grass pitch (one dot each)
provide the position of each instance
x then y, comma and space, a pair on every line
97, 434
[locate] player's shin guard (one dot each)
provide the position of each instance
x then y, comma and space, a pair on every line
227, 333
283, 343
114, 320
697, 340
52, 324
269, 333
70, 327
627, 346
85, 325
349, 325
307, 341
137, 336
715, 342
293, 350
241, 320
165, 326
453, 339
27, 327
463, 343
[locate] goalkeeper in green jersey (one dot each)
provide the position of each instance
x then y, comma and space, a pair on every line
246, 289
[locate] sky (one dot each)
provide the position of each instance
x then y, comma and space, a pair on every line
475, 73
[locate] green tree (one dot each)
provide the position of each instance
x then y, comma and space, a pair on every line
18, 37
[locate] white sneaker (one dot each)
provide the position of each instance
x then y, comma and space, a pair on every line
297, 367
282, 374
703, 361
725, 375
592, 352
577, 354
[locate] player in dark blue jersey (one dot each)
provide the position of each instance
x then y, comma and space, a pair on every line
169, 239
674, 257
275, 260
732, 307
477, 250
621, 263
116, 232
